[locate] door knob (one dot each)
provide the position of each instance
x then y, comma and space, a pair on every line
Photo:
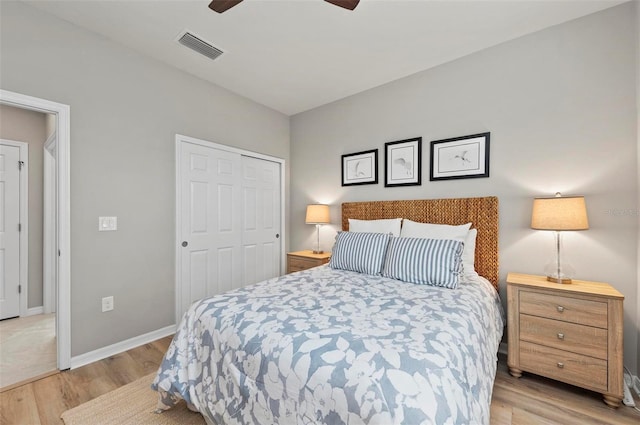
185, 243
277, 235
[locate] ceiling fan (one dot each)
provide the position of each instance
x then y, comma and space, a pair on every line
224, 5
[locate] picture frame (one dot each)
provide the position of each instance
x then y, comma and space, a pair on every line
403, 162
465, 157
360, 168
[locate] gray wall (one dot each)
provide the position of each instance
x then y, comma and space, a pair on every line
125, 112
30, 127
561, 108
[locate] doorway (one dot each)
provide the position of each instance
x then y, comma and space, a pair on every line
61, 224
229, 219
27, 335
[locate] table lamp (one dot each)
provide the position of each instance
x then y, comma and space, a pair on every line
317, 214
560, 214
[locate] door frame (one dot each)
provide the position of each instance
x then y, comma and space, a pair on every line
186, 139
23, 216
49, 242
63, 137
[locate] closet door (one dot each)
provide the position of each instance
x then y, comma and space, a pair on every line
260, 219
228, 219
210, 204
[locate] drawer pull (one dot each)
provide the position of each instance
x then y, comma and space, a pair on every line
560, 336
560, 365
560, 309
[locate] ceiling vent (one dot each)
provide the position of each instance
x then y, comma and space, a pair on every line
199, 45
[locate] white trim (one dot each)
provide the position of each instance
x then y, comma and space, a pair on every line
24, 222
186, 139
49, 242
63, 130
120, 347
34, 311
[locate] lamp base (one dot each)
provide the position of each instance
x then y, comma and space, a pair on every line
318, 252
565, 280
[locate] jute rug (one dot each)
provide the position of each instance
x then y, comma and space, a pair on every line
133, 404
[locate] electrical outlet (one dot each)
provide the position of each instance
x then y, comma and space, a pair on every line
107, 304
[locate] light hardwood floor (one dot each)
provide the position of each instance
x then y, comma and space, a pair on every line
528, 400
27, 349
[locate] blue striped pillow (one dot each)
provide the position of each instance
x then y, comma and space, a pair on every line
359, 252
434, 262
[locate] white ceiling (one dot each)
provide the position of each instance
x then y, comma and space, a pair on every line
295, 55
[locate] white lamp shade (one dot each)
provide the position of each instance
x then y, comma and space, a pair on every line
559, 213
317, 214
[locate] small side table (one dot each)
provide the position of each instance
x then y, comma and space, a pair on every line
302, 260
570, 333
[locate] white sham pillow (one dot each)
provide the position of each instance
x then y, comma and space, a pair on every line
413, 229
391, 225
469, 254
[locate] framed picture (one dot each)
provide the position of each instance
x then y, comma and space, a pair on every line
360, 168
460, 158
403, 163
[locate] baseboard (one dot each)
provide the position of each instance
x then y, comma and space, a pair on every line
120, 347
33, 311
502, 349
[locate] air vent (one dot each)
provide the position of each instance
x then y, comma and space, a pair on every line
199, 45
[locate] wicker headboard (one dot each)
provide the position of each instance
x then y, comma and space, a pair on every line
481, 212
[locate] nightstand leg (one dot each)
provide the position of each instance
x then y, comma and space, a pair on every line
612, 401
516, 373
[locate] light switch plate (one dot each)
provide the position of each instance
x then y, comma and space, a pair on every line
106, 224
107, 304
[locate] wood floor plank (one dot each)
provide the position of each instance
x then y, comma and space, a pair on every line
150, 355
18, 406
124, 369
54, 395
90, 381
516, 401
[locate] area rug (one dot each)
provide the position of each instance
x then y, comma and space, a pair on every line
133, 404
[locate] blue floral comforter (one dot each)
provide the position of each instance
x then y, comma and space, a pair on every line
337, 347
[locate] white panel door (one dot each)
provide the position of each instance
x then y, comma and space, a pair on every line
9, 234
210, 222
261, 239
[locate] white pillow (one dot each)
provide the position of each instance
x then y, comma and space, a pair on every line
413, 229
391, 225
469, 254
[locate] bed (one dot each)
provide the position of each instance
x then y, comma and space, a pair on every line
335, 346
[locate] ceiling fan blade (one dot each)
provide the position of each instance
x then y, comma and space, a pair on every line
222, 5
347, 4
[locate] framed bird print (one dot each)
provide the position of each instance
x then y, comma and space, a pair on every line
463, 157
403, 163
360, 168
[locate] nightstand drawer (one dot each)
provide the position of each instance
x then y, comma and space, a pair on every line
565, 366
303, 260
586, 340
567, 309
297, 263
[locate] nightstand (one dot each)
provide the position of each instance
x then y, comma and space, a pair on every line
302, 260
571, 333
